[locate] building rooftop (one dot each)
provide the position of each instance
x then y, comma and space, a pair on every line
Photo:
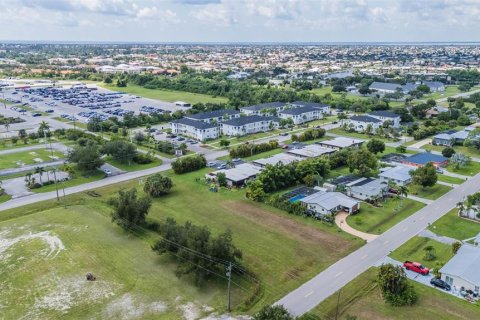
365, 119
383, 113
194, 123
400, 173
330, 200
309, 104
341, 142
212, 114
384, 86
299, 110
425, 157
310, 151
464, 264
240, 172
273, 160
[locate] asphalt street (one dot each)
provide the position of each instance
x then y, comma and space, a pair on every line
329, 281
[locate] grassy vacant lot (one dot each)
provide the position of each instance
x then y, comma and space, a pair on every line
362, 298
77, 179
448, 179
451, 225
431, 193
167, 95
375, 220
469, 151
132, 166
358, 135
328, 89
449, 91
5, 197
470, 169
413, 250
132, 277
10, 160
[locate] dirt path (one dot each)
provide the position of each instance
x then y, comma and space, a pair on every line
341, 222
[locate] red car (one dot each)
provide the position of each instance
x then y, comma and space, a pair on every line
416, 267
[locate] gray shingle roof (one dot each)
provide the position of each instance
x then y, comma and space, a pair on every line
268, 105
309, 104
465, 264
384, 86
365, 119
194, 123
299, 110
212, 114
383, 113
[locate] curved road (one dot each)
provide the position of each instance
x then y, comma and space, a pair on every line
326, 283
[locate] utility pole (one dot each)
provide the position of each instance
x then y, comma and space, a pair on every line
229, 275
338, 303
64, 198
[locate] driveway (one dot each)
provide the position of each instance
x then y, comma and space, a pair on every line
17, 187
341, 222
114, 170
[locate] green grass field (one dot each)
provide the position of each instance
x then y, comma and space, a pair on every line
413, 250
451, 225
328, 89
358, 135
470, 169
27, 157
54, 286
448, 179
472, 152
167, 95
375, 220
431, 193
362, 298
449, 91
77, 179
132, 166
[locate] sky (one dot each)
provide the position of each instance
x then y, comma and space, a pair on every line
241, 20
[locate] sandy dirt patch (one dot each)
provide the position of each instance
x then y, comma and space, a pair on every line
53, 242
131, 307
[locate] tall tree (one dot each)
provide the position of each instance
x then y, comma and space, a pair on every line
362, 162
394, 286
129, 210
157, 185
376, 146
86, 157
425, 176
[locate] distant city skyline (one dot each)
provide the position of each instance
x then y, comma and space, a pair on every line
241, 21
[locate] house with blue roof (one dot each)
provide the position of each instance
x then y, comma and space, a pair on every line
421, 159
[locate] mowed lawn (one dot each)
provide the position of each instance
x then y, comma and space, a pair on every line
167, 95
451, 225
133, 166
12, 160
358, 135
413, 250
77, 179
449, 179
470, 169
377, 220
282, 250
362, 298
431, 193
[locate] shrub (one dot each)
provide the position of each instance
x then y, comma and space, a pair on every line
248, 149
189, 163
141, 158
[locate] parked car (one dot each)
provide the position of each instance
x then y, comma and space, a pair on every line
439, 283
439, 170
49, 111
107, 172
416, 267
222, 166
285, 146
211, 164
284, 134
36, 115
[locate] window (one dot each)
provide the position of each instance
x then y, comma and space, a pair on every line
449, 280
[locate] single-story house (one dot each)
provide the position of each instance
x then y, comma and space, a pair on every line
339, 143
214, 116
361, 123
367, 189
310, 151
421, 159
399, 174
301, 114
284, 158
247, 125
238, 175
452, 137
385, 87
323, 203
435, 86
265, 109
196, 129
387, 116
462, 269
435, 111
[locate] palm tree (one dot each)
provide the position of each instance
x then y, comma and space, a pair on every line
461, 208
40, 171
403, 192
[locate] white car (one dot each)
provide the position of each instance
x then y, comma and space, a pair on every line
107, 172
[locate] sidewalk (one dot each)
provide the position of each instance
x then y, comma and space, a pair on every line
422, 200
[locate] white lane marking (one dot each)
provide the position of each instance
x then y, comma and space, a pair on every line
386, 242
405, 229
364, 257
338, 274
308, 294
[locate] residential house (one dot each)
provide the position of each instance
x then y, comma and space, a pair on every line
247, 125
367, 189
301, 114
196, 129
361, 123
461, 271
325, 203
435, 86
339, 143
264, 109
284, 158
385, 116
399, 174
324, 107
310, 151
421, 159
214, 116
435, 111
385, 87
452, 137
238, 175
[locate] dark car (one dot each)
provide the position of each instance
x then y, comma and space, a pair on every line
36, 115
439, 283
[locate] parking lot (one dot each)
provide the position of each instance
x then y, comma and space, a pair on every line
81, 102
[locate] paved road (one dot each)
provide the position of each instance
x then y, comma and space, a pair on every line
55, 146
339, 274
